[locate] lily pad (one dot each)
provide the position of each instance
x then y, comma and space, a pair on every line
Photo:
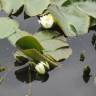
37, 56
36, 7
60, 54
88, 7
72, 21
16, 36
7, 27
11, 5
29, 42
58, 2
46, 35
53, 44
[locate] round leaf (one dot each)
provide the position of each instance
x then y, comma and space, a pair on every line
36, 7
7, 27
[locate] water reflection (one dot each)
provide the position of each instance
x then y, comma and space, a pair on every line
93, 41
23, 75
86, 73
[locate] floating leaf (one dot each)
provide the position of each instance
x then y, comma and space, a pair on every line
45, 35
88, 7
60, 54
29, 42
16, 36
58, 2
71, 20
53, 44
36, 7
11, 5
7, 27
37, 56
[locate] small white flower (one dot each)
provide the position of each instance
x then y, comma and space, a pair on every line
45, 64
40, 68
46, 21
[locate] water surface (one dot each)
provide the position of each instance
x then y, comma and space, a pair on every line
65, 80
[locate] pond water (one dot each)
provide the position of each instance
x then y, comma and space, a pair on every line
65, 80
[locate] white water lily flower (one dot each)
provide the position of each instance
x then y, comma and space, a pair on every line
46, 21
45, 64
40, 68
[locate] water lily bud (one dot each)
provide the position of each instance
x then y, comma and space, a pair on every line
46, 21
40, 68
46, 65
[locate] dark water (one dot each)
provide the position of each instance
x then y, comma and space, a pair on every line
65, 80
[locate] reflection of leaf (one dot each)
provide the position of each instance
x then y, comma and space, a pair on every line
7, 27
82, 57
2, 69
86, 78
93, 39
86, 73
23, 75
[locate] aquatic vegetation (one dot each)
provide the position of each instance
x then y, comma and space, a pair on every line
44, 49
2, 69
46, 21
86, 73
82, 57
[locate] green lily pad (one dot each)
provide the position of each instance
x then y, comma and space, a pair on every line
58, 2
37, 56
16, 36
72, 21
88, 7
29, 42
11, 5
53, 44
46, 35
36, 7
7, 27
60, 54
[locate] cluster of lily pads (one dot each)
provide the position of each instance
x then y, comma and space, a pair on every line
45, 48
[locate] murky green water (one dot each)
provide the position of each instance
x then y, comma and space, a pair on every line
65, 80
